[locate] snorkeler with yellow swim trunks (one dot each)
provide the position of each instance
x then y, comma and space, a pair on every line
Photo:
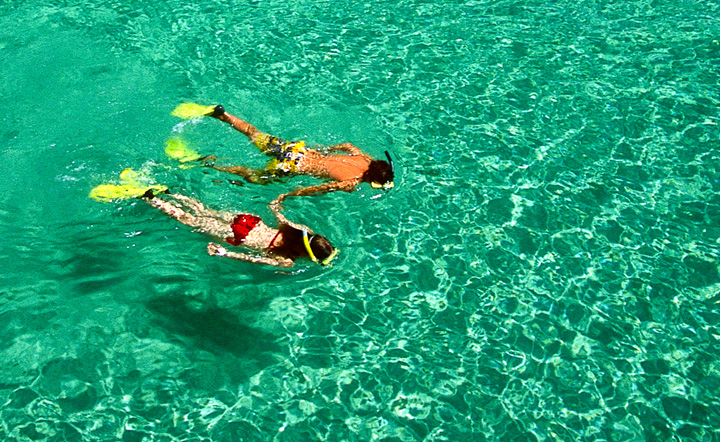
346, 171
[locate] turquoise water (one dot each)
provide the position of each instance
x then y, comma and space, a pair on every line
546, 268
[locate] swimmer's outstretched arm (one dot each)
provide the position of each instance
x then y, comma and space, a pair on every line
276, 204
276, 208
346, 147
218, 250
345, 186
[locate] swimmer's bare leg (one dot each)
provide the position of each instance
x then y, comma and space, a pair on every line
194, 204
254, 176
172, 210
201, 210
240, 125
256, 137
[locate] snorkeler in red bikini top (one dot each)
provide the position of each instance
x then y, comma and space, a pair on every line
277, 247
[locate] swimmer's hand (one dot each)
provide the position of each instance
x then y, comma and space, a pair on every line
276, 204
216, 249
276, 208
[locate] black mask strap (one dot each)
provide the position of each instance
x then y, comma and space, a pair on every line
387, 155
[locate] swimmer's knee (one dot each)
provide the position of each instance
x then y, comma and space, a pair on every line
258, 179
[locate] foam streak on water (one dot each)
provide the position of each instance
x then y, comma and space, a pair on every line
545, 269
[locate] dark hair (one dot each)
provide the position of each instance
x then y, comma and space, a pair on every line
293, 246
321, 247
379, 171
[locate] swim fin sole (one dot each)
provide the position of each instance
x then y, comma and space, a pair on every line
187, 111
177, 149
130, 186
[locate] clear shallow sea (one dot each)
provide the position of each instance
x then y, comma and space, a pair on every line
546, 268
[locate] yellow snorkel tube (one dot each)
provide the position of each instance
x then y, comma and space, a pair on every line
325, 261
329, 259
387, 186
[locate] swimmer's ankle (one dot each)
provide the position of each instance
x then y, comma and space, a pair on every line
218, 111
207, 159
148, 195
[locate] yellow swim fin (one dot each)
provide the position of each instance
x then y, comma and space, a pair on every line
110, 192
192, 110
131, 186
130, 176
177, 149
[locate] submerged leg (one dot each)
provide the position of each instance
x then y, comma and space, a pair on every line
254, 176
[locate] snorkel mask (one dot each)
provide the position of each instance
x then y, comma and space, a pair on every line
325, 261
388, 185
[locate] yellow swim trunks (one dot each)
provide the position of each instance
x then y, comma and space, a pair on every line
286, 154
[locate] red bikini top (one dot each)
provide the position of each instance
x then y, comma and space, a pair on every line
241, 226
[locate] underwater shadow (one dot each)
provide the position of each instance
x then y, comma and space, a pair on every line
213, 329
